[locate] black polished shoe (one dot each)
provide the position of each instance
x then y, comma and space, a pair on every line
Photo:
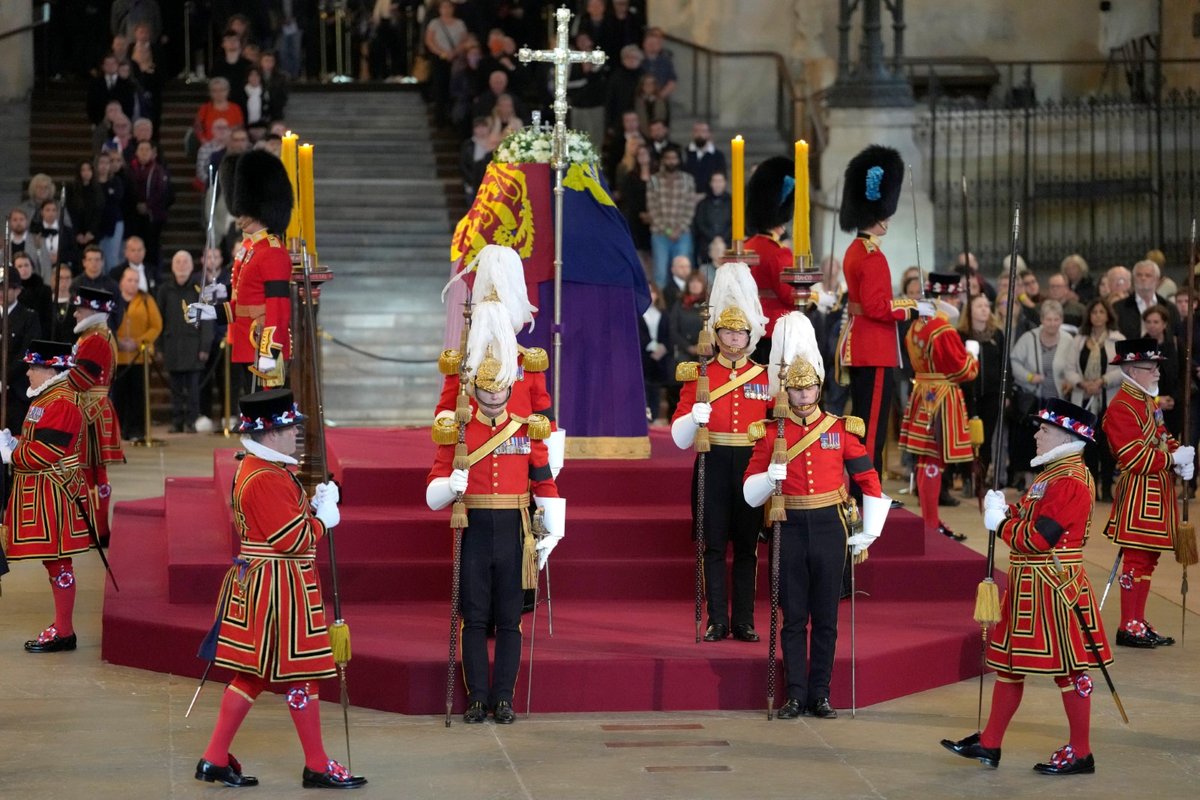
971, 748
1124, 639
946, 499
50, 642
1156, 637
790, 710
896, 504
1066, 762
475, 713
716, 632
949, 534
504, 713
745, 633
230, 774
335, 776
821, 709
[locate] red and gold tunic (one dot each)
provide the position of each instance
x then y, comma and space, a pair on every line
91, 377
529, 393
739, 393
43, 518
1038, 631
507, 463
1144, 510
935, 423
777, 297
822, 450
272, 619
259, 311
870, 338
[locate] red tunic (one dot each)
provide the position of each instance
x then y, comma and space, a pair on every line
272, 618
529, 394
91, 377
870, 338
817, 474
1144, 512
777, 297
734, 410
42, 518
519, 465
1038, 632
935, 423
260, 304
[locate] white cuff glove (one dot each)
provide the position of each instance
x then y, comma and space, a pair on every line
198, 312
757, 488
994, 500
1184, 455
777, 472
701, 413
972, 346
327, 511
683, 432
326, 491
825, 301
556, 448
438, 494
7, 445
554, 516
1185, 471
265, 363
859, 542
993, 517
926, 308
213, 292
458, 480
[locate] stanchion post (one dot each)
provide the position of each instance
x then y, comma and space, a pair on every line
228, 403
144, 353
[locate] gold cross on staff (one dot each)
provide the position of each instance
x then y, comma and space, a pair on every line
562, 56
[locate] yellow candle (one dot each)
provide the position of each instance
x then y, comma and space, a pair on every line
800, 235
308, 215
288, 155
738, 178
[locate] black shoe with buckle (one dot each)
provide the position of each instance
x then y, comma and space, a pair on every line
971, 748
475, 713
335, 776
1156, 637
1139, 640
504, 713
49, 641
949, 534
822, 709
1066, 762
791, 709
745, 633
230, 774
716, 632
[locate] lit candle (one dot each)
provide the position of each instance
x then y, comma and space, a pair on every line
288, 155
738, 146
308, 216
800, 236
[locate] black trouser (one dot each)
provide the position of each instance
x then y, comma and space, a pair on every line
185, 397
492, 549
728, 519
129, 398
812, 555
871, 393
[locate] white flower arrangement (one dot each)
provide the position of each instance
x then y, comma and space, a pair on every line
534, 146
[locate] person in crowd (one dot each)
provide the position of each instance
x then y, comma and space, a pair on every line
1073, 310
634, 199
982, 394
501, 56
1156, 321
587, 85
714, 215
152, 190
1092, 379
387, 40
676, 286
597, 24
967, 264
141, 325
504, 119
659, 138
259, 109
1023, 323
277, 83
19, 239
24, 326
122, 140
112, 187
232, 65
1166, 286
1146, 277
703, 159
1075, 269
84, 205
41, 188
145, 61
445, 39
649, 104
127, 15
135, 259
476, 155
108, 87
210, 153
62, 323
617, 145
35, 293
214, 272
627, 163
484, 102
102, 132
1029, 290
671, 203
657, 62
55, 240
219, 106
628, 25
1119, 285
185, 348
686, 320
658, 363
467, 82
1037, 360
622, 85
94, 276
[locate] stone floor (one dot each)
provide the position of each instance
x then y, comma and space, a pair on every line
74, 727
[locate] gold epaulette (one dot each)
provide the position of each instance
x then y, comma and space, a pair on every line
444, 431
449, 361
535, 359
903, 302
538, 426
757, 430
855, 425
686, 371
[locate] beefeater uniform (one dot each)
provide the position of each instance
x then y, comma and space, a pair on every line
91, 378
822, 449
529, 393
508, 463
934, 428
1144, 511
740, 395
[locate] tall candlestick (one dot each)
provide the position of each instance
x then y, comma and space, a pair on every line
800, 235
308, 215
288, 154
738, 148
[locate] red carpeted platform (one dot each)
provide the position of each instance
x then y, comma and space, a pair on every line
623, 639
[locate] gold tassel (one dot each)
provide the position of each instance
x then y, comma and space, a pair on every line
703, 443
448, 362
529, 562
780, 409
987, 602
462, 409
339, 641
701, 388
704, 343
776, 511
460, 456
975, 429
1185, 544
458, 515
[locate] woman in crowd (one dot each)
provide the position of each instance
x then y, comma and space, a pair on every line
648, 104
1092, 378
1075, 270
140, 327
658, 365
84, 205
982, 395
1038, 359
504, 119
1156, 321
35, 294
445, 38
111, 226
685, 324
633, 198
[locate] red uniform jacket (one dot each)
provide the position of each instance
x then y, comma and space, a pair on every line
529, 394
817, 474
740, 394
1038, 632
870, 338
777, 297
91, 377
935, 422
272, 620
1144, 512
517, 465
259, 311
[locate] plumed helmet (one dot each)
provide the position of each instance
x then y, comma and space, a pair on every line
735, 304
794, 337
871, 188
801, 374
500, 275
770, 194
492, 347
261, 190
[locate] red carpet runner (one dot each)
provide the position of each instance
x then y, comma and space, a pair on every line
622, 588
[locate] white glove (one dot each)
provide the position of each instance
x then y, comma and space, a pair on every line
1186, 471
554, 516
327, 510
265, 364
458, 480
825, 301
994, 501
972, 346
1184, 455
926, 308
324, 491
757, 488
556, 449
199, 312
993, 517
701, 412
777, 472
859, 542
7, 445
214, 291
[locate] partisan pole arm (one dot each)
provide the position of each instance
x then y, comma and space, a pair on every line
7, 265
1189, 343
1005, 368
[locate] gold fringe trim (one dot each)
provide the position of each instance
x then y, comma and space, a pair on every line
444, 431
539, 427
458, 515
608, 447
462, 409
339, 642
529, 560
855, 426
686, 371
461, 459
757, 430
703, 440
987, 603
702, 386
449, 361
704, 343
535, 359
975, 431
1185, 544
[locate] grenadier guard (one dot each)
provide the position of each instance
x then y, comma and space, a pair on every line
821, 449
935, 428
259, 308
45, 514
500, 557
270, 618
1039, 631
870, 345
1144, 513
738, 397
91, 378
770, 196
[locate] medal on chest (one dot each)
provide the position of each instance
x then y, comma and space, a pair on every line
516, 446
35, 413
757, 391
831, 440
1037, 491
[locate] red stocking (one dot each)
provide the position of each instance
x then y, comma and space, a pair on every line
235, 705
62, 583
1077, 702
1006, 697
304, 703
929, 486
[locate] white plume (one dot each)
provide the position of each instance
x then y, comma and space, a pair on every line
794, 336
499, 268
490, 330
734, 287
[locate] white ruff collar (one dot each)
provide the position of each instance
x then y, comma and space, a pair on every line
265, 453
1061, 451
950, 311
59, 378
1135, 385
91, 322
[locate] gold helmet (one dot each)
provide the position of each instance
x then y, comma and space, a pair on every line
801, 374
488, 375
491, 348
735, 304
732, 319
794, 338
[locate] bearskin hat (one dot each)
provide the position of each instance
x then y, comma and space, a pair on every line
871, 188
261, 190
227, 173
770, 195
